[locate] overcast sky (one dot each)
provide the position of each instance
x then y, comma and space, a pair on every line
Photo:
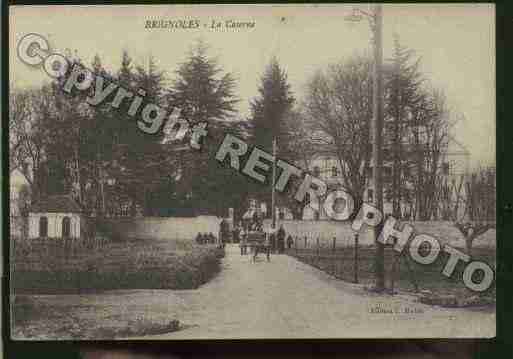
456, 44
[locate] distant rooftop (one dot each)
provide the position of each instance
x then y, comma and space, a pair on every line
56, 204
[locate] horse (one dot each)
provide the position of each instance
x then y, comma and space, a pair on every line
260, 245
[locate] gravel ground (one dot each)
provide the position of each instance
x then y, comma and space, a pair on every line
288, 299
283, 298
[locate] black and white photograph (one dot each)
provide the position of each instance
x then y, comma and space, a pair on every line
193, 172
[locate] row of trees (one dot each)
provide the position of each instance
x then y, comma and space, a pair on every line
334, 118
480, 190
338, 106
61, 144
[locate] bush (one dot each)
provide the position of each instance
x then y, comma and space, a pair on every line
59, 267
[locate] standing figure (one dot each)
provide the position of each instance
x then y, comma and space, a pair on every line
267, 247
243, 243
272, 241
199, 238
281, 239
290, 241
211, 239
236, 234
223, 230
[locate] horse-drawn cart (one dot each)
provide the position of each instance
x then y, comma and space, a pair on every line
258, 243
255, 238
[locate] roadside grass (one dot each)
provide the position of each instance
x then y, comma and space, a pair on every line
89, 316
79, 275
341, 263
65, 267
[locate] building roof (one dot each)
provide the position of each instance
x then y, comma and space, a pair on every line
56, 204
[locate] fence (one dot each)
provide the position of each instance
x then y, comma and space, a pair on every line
325, 230
345, 259
445, 231
353, 261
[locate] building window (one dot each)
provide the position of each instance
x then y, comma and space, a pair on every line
66, 227
43, 227
334, 171
316, 171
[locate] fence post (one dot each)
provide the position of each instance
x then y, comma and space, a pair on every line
318, 252
334, 259
392, 277
356, 257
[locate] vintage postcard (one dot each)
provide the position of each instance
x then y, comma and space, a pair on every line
252, 171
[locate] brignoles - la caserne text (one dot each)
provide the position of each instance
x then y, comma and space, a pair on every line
172, 24
239, 24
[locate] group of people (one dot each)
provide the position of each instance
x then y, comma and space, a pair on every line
204, 238
280, 241
277, 240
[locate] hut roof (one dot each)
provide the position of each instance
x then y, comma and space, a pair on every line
56, 204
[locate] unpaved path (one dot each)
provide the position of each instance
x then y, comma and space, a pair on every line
285, 298
280, 299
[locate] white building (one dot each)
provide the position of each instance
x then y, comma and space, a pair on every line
325, 166
57, 216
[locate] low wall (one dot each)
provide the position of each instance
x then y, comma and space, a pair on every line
164, 227
448, 234
444, 231
188, 228
325, 230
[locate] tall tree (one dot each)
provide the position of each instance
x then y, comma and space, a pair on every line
427, 139
339, 107
201, 90
270, 108
205, 93
26, 150
140, 162
301, 146
480, 205
402, 93
269, 118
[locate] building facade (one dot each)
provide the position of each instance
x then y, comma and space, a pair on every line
454, 165
57, 216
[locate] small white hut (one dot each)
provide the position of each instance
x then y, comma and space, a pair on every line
57, 216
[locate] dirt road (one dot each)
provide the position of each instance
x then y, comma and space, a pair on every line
283, 298
289, 299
